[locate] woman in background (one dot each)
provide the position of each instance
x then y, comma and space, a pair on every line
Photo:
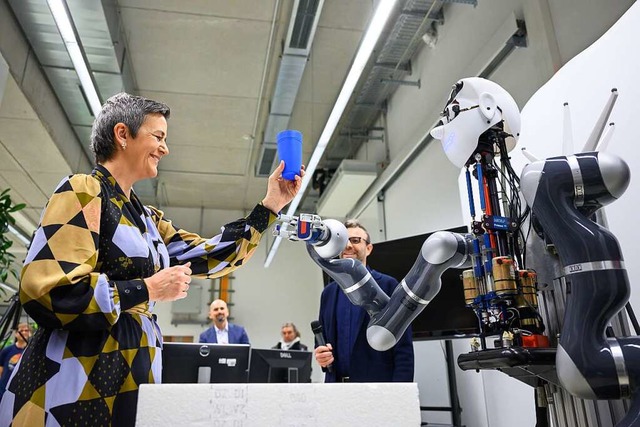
290, 338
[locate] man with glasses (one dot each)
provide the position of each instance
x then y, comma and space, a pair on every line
9, 356
345, 328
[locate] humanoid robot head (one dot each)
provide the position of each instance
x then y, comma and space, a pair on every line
475, 105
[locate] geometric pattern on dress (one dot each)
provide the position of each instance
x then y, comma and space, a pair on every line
89, 299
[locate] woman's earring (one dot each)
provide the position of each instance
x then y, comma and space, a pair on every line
124, 146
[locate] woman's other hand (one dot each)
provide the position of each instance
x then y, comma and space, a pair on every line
169, 284
281, 191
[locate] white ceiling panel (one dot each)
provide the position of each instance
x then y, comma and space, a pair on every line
346, 14
259, 10
202, 120
7, 161
197, 54
336, 41
255, 193
22, 137
206, 160
213, 219
47, 181
310, 119
185, 190
329, 64
33, 214
13, 104
25, 190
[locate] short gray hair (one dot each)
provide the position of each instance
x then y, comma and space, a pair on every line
130, 110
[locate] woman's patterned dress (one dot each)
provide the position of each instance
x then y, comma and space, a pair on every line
82, 282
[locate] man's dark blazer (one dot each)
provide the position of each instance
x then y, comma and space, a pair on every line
367, 364
237, 335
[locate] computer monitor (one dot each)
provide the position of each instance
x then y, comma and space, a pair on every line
279, 366
205, 363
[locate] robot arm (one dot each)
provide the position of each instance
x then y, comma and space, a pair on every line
442, 250
325, 240
355, 281
390, 317
563, 193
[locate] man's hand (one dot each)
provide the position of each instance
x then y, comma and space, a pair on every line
323, 355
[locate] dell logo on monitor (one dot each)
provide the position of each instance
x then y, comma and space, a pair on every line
204, 351
285, 355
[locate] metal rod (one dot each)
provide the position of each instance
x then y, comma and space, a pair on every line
456, 410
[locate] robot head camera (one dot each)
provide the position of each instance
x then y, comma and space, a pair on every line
475, 105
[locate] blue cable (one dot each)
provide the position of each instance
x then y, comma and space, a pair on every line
472, 206
480, 186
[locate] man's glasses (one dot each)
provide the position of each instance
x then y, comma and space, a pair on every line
357, 240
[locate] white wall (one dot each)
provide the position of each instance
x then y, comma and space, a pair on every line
586, 83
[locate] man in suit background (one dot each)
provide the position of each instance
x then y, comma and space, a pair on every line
345, 328
222, 331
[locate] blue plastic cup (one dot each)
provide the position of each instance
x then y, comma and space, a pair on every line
290, 150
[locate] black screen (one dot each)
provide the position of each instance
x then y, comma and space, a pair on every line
446, 316
279, 366
197, 362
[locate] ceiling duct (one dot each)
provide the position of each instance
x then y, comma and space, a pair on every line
392, 63
101, 39
349, 182
302, 28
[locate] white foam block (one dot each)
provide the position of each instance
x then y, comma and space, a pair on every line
248, 405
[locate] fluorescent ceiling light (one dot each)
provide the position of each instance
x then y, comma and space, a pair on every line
362, 57
19, 235
61, 15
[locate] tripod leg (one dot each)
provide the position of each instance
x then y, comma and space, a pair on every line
11, 317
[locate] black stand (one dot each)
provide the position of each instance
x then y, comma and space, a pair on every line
531, 365
11, 318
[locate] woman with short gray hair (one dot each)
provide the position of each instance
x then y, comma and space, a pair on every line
100, 261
